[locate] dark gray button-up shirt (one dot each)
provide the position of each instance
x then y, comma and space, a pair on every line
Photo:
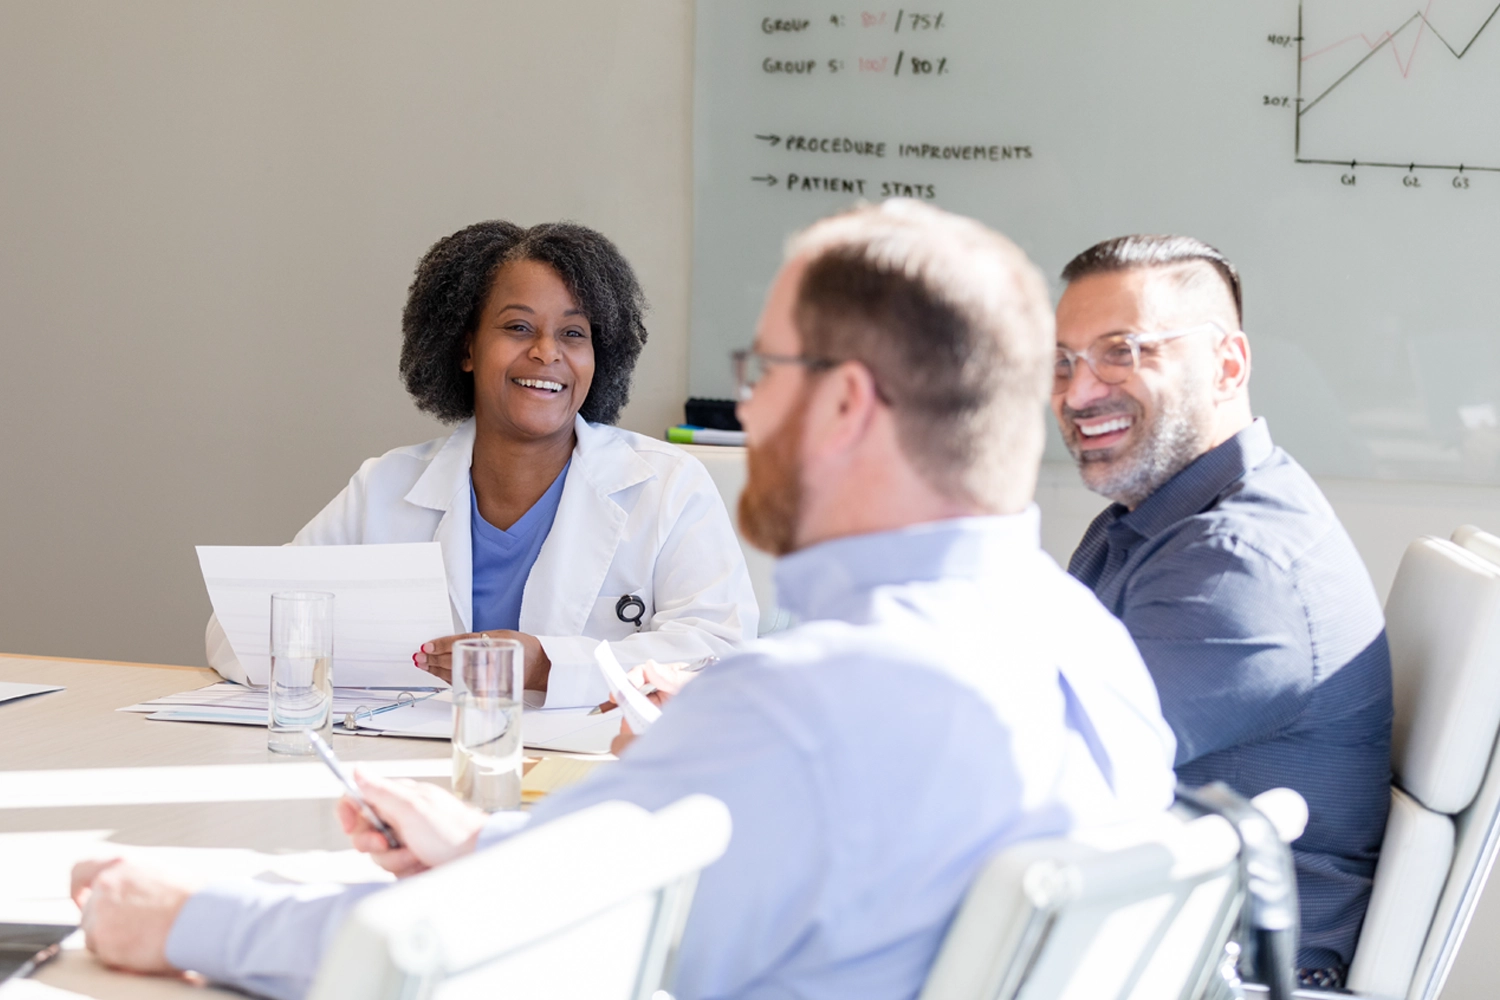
1261, 627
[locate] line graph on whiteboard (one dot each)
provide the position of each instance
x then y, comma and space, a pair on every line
1381, 83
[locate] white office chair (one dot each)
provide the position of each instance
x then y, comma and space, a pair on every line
1140, 911
1443, 623
726, 466
1478, 840
1478, 541
589, 905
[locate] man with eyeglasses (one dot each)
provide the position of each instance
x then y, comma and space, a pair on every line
1246, 597
949, 690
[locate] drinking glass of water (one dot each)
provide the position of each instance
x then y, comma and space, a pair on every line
301, 695
487, 679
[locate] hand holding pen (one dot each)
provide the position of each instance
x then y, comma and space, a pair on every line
431, 825
405, 826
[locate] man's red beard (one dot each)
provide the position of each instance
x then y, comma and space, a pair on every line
771, 502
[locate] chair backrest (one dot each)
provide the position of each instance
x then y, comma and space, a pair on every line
726, 466
1139, 911
1478, 541
1478, 842
1443, 624
611, 884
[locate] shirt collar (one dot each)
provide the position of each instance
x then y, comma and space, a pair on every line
817, 582
1197, 486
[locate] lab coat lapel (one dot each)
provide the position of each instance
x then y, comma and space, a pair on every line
445, 486
570, 570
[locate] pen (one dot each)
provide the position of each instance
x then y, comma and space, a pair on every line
689, 668
607, 706
325, 753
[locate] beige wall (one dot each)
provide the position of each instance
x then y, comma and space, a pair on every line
209, 215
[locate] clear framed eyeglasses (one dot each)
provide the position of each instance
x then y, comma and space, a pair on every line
1114, 357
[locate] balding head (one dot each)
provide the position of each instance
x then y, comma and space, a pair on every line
952, 321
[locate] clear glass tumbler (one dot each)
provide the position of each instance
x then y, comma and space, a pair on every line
301, 695
487, 679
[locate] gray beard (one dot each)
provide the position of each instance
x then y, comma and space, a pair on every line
1175, 438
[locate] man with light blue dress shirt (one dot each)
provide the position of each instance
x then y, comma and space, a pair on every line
1246, 596
948, 691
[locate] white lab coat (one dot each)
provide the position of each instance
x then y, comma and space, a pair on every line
637, 516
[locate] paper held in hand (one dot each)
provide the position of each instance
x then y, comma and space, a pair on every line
639, 710
388, 600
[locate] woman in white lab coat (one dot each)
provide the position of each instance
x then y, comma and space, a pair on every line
557, 528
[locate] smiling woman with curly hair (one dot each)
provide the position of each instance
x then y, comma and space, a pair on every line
454, 281
557, 528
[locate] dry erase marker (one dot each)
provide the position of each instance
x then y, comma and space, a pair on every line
325, 753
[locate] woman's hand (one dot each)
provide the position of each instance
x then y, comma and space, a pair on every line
432, 826
436, 657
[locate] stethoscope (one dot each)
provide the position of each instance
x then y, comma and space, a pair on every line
630, 609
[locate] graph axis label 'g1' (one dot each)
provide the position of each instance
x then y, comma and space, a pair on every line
1382, 85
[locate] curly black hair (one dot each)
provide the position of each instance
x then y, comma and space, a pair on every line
453, 282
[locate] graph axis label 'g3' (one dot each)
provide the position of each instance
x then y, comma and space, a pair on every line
1383, 84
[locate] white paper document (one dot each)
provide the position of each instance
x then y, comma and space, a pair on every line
35, 869
237, 704
573, 730
284, 781
10, 691
640, 712
388, 600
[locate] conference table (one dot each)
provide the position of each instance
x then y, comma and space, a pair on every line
80, 728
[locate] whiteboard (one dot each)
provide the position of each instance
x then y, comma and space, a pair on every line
1344, 153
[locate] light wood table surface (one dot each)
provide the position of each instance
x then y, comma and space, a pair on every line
80, 727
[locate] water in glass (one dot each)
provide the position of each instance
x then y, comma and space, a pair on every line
487, 678
301, 694
301, 701
487, 751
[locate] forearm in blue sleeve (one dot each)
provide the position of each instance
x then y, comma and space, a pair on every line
264, 938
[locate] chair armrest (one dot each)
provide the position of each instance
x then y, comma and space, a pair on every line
1257, 990
1286, 810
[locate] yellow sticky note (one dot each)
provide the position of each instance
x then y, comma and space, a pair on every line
551, 773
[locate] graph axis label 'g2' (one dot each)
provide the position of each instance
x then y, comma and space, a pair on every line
1384, 84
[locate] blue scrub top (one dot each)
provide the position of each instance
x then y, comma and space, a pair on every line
503, 559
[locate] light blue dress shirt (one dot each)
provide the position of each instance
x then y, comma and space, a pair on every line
503, 558
949, 691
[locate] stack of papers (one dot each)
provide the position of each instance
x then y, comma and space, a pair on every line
389, 712
572, 730
247, 706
